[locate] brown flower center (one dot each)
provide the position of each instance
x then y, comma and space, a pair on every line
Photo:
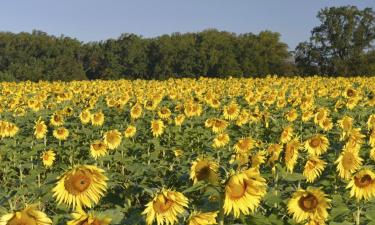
24, 219
315, 142
236, 191
203, 172
77, 183
364, 181
308, 203
350, 93
162, 204
348, 161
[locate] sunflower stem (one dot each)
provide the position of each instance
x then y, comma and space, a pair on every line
358, 216
221, 210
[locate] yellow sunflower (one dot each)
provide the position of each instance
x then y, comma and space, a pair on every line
179, 119
85, 116
204, 169
326, 124
157, 127
112, 139
164, 113
317, 144
219, 125
97, 119
243, 192
258, 159
291, 154
136, 111
362, 185
274, 151
220, 140
81, 186
200, 218
82, 218
48, 157
28, 216
231, 111
286, 134
57, 120
310, 204
244, 145
130, 131
40, 129
165, 208
313, 168
292, 115
348, 162
371, 122
98, 149
61, 133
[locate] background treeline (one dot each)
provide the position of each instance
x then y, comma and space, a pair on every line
341, 45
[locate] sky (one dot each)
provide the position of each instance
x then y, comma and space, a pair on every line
95, 20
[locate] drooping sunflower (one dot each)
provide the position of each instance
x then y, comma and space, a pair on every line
220, 140
346, 124
83, 185
61, 133
243, 192
204, 169
48, 157
28, 216
348, 162
291, 154
310, 204
179, 119
313, 168
40, 129
130, 131
112, 139
258, 159
82, 218
97, 119
362, 185
98, 148
157, 127
286, 134
244, 145
317, 144
371, 122
274, 151
200, 218
165, 208
85, 116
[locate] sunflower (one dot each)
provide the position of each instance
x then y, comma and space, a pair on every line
81, 186
57, 120
61, 133
179, 119
204, 169
286, 134
244, 145
350, 93
82, 218
164, 113
97, 119
199, 218
165, 208
219, 125
136, 111
258, 159
130, 131
362, 185
178, 153
349, 161
85, 116
346, 124
292, 115
274, 151
291, 154
326, 124
243, 192
157, 127
231, 111
313, 168
243, 118
48, 157
311, 204
28, 216
317, 145
9, 129
307, 115
40, 129
320, 115
98, 149
372, 139
220, 140
112, 139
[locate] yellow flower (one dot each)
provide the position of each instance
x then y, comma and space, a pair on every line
317, 145
219, 125
199, 218
57, 120
291, 154
130, 131
220, 140
85, 116
98, 149
362, 185
40, 129
82, 218
292, 115
81, 186
48, 158
178, 153
165, 208
28, 216
61, 133
310, 204
112, 139
286, 134
326, 124
243, 192
371, 122
157, 127
349, 161
274, 151
313, 168
164, 113
231, 111
97, 119
136, 111
179, 119
204, 169
244, 145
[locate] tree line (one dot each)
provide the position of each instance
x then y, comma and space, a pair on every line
342, 45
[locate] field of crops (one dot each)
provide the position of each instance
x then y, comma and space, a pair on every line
184, 151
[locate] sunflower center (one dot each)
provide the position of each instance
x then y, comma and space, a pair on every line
77, 183
308, 202
60, 131
39, 128
364, 181
348, 160
95, 222
162, 205
237, 190
231, 110
315, 142
203, 173
350, 92
24, 219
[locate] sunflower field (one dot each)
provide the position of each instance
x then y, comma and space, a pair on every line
188, 151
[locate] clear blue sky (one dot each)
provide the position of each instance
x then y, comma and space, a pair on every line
94, 20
